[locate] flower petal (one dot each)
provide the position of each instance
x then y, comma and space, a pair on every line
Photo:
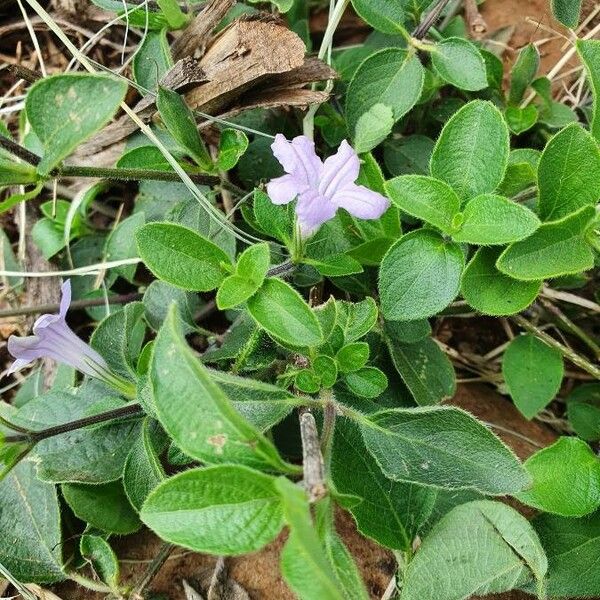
298, 158
65, 299
284, 189
313, 210
339, 170
24, 350
361, 202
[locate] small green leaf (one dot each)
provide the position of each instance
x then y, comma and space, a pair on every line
478, 548
103, 506
308, 381
460, 63
175, 17
226, 509
583, 409
589, 52
566, 173
13, 173
304, 565
443, 447
489, 219
152, 60
372, 127
326, 369
567, 12
491, 292
48, 237
274, 220
419, 276
356, 319
232, 145
533, 372
523, 72
368, 382
471, 153
566, 479
181, 256
196, 412
97, 551
282, 313
521, 119
250, 272
120, 244
392, 77
180, 122
555, 249
337, 265
423, 366
65, 110
384, 15
352, 357
408, 155
425, 198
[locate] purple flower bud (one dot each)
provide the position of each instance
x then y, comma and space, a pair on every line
321, 187
53, 338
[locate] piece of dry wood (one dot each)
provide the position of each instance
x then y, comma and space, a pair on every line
475, 22
312, 459
195, 36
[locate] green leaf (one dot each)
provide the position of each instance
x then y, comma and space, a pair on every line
97, 551
326, 369
226, 509
566, 173
533, 372
307, 381
30, 534
181, 257
152, 60
391, 512
282, 313
460, 63
566, 479
337, 265
352, 357
567, 12
407, 155
232, 144
555, 249
103, 506
368, 382
491, 292
443, 447
304, 564
478, 548
471, 153
143, 470
275, 220
426, 371
489, 219
180, 121
196, 412
384, 15
372, 127
119, 337
425, 198
393, 77
87, 455
48, 237
65, 110
521, 119
250, 272
523, 72
356, 319
583, 409
573, 550
175, 17
13, 173
158, 298
120, 244
589, 53
419, 276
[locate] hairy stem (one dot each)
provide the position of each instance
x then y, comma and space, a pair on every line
427, 23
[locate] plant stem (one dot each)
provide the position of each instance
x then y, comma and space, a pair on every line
90, 584
129, 410
19, 151
21, 72
329, 415
76, 304
312, 460
427, 23
150, 573
282, 269
569, 354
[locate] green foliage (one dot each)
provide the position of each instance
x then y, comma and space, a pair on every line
589, 53
533, 372
225, 509
97, 551
566, 479
385, 16
152, 60
459, 62
181, 256
567, 12
523, 72
62, 113
448, 564
583, 409
471, 153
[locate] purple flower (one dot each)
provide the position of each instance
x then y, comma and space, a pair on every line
321, 187
53, 338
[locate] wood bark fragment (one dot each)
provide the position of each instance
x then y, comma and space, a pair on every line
475, 22
312, 459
